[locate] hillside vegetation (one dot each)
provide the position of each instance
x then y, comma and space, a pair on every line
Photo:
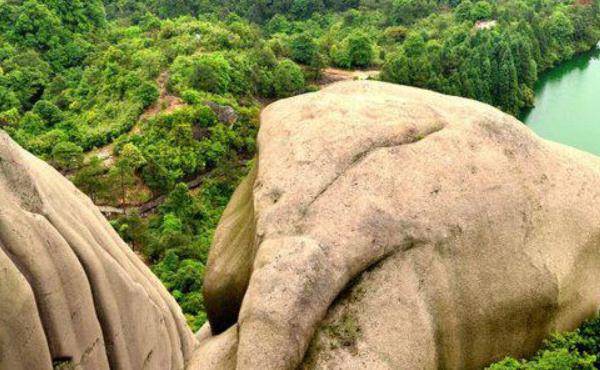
129, 97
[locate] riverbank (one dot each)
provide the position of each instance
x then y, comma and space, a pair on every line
566, 106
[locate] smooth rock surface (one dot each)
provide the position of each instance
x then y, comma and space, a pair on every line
72, 293
397, 228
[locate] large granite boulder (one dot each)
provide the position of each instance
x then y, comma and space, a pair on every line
72, 294
388, 227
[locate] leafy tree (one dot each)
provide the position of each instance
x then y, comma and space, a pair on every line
288, 79
148, 94
8, 99
180, 203
408, 11
26, 75
90, 179
278, 24
339, 55
396, 69
184, 279
211, 73
560, 26
130, 160
79, 15
36, 26
303, 9
463, 11
505, 79
44, 143
356, 50
304, 48
9, 117
360, 50
47, 111
67, 156
133, 229
481, 10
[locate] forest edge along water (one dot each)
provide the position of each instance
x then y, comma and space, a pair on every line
567, 103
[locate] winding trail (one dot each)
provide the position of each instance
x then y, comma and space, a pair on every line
167, 103
332, 75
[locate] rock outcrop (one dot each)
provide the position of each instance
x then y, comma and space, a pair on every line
383, 227
389, 227
72, 293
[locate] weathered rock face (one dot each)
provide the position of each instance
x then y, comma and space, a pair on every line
71, 292
394, 228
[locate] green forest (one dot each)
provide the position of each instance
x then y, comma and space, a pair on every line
151, 107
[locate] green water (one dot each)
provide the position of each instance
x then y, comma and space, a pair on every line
567, 105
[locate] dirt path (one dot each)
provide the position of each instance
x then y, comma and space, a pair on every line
166, 102
332, 75
105, 153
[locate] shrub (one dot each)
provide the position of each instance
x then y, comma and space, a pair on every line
67, 156
147, 94
288, 79
574, 350
48, 112
211, 72
304, 49
9, 117
8, 99
360, 50
191, 97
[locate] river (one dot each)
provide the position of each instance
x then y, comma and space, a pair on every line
567, 103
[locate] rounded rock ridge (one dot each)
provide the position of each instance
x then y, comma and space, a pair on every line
391, 227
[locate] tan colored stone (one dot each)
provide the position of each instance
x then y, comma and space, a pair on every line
230, 260
217, 352
71, 290
397, 228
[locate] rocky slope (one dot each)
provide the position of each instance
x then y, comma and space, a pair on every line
383, 227
71, 291
389, 227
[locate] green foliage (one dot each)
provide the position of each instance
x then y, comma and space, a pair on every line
48, 112
36, 26
184, 279
148, 93
481, 10
90, 179
122, 174
467, 11
408, 11
497, 64
210, 73
9, 117
183, 143
344, 331
288, 79
67, 156
8, 99
176, 240
574, 350
360, 50
303, 48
